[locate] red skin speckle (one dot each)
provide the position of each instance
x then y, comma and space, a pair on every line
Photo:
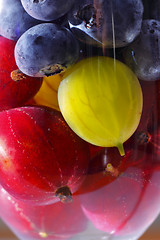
39, 153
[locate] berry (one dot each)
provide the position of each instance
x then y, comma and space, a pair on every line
142, 56
14, 20
94, 150
56, 221
149, 105
110, 23
46, 49
104, 167
123, 206
42, 160
15, 87
101, 100
48, 93
47, 10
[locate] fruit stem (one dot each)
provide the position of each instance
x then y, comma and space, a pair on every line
17, 75
113, 171
121, 149
64, 194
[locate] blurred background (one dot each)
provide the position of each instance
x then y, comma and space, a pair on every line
153, 233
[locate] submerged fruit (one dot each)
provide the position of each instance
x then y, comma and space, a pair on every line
124, 204
47, 95
56, 221
16, 88
42, 160
101, 100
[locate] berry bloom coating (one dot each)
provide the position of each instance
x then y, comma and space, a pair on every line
47, 10
142, 56
113, 23
46, 49
14, 20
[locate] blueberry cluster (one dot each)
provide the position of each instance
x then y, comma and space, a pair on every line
143, 55
51, 34
44, 45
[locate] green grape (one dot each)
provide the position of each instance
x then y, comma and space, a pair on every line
101, 100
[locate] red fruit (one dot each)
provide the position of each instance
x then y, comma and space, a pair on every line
148, 140
103, 169
149, 118
14, 93
41, 158
149, 104
94, 150
57, 221
157, 96
129, 202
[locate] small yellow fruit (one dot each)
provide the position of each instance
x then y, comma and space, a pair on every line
101, 100
47, 95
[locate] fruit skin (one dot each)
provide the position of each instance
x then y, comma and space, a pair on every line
129, 203
104, 168
94, 150
149, 111
48, 93
47, 10
46, 49
14, 20
57, 221
101, 100
134, 176
142, 56
40, 154
97, 20
14, 93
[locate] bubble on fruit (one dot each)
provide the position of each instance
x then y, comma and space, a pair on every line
101, 100
47, 95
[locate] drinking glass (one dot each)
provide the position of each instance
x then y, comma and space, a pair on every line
79, 118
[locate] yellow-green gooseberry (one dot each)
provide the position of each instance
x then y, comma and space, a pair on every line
101, 100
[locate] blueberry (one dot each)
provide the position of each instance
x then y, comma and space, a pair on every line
14, 20
113, 23
47, 10
46, 49
143, 55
